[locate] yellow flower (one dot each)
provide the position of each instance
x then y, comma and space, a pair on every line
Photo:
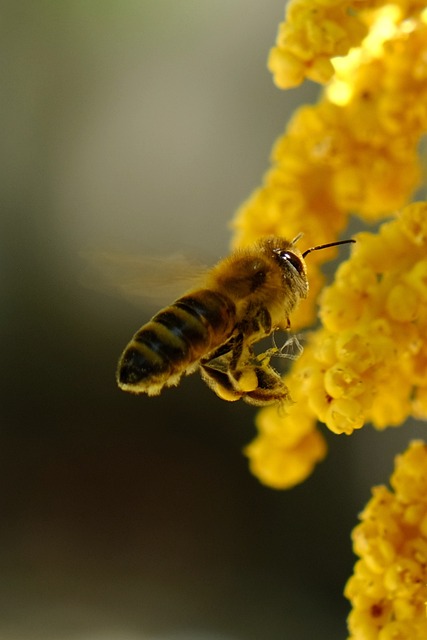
318, 34
388, 589
285, 451
314, 32
375, 315
354, 151
369, 361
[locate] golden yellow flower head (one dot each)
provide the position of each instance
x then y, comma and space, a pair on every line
368, 363
388, 590
375, 322
285, 452
314, 32
356, 150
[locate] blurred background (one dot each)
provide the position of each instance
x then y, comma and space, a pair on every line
140, 126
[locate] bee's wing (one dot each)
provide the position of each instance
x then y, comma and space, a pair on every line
142, 279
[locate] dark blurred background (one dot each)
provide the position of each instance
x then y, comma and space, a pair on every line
140, 126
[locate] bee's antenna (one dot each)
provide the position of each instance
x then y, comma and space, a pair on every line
325, 246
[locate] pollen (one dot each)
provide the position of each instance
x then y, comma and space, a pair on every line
248, 380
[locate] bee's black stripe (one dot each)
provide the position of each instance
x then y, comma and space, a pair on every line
183, 325
137, 365
176, 337
166, 345
209, 307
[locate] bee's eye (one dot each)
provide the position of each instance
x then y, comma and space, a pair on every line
296, 262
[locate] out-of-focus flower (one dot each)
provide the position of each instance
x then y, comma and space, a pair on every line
282, 457
314, 32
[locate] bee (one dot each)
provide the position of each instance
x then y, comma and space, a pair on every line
245, 298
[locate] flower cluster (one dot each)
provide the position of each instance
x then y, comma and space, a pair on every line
283, 457
313, 33
317, 33
356, 150
374, 354
367, 363
388, 590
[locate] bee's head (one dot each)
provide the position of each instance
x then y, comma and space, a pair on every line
291, 262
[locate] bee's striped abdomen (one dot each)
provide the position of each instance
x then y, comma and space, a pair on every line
174, 339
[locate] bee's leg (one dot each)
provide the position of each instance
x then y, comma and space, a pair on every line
241, 366
248, 372
220, 383
256, 384
226, 357
233, 371
256, 325
291, 349
271, 388
236, 351
253, 379
221, 351
219, 360
256, 322
230, 367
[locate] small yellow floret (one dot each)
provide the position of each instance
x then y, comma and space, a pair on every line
288, 71
344, 415
402, 303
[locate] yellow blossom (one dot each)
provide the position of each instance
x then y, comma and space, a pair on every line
318, 34
388, 589
284, 453
356, 150
314, 32
369, 361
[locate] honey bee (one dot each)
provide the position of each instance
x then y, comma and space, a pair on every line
246, 297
